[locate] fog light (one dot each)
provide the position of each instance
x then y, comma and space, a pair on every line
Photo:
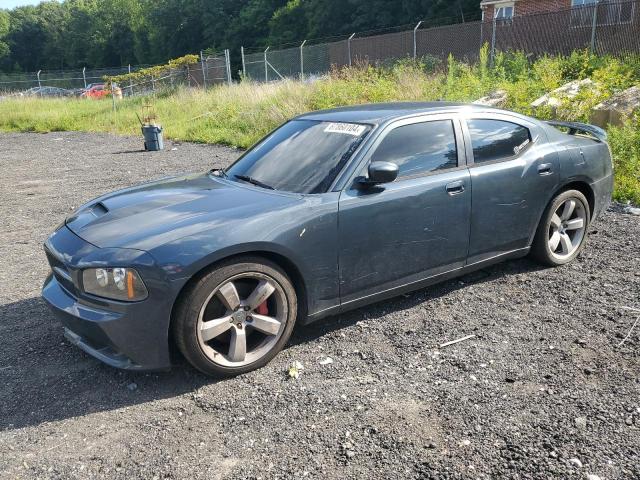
114, 283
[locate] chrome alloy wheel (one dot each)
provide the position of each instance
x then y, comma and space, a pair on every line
567, 228
242, 319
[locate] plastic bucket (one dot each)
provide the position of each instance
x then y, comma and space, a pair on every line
152, 137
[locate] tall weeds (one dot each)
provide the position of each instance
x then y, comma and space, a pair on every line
240, 114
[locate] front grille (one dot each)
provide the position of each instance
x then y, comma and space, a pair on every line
61, 272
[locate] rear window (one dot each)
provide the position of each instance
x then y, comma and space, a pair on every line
496, 139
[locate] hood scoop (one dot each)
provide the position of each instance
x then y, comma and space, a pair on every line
99, 209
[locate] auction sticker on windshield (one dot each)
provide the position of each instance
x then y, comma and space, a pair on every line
348, 128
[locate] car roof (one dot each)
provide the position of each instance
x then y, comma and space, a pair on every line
377, 113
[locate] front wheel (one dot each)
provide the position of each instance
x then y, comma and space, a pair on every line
562, 232
236, 317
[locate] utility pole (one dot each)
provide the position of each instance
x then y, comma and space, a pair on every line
594, 26
227, 63
204, 73
415, 42
493, 41
130, 81
244, 68
302, 61
349, 46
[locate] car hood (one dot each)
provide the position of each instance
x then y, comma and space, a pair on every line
155, 213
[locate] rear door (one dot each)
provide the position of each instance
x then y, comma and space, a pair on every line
513, 174
416, 227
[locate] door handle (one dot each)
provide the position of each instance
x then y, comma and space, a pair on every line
455, 188
545, 169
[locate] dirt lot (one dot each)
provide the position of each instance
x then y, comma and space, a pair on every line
542, 391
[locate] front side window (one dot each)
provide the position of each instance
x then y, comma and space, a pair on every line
496, 139
419, 148
302, 156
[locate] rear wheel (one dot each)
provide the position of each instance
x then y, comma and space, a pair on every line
236, 318
562, 232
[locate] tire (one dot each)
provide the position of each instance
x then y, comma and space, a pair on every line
261, 321
564, 227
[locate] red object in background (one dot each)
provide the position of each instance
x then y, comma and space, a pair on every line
96, 91
99, 90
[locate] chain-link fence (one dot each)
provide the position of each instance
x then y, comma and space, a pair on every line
210, 70
67, 79
605, 27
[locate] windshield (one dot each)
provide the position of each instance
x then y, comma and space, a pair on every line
302, 156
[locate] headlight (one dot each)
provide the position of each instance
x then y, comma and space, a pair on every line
115, 283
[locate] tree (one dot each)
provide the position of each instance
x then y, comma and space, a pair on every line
4, 31
105, 33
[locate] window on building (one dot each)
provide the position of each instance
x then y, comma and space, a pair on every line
504, 12
610, 12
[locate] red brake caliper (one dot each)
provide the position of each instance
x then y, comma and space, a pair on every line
262, 309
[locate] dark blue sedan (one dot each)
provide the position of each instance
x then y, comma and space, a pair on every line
331, 211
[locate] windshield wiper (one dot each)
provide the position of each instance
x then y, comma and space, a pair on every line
253, 181
219, 172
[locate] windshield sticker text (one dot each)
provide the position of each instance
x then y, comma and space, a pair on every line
348, 128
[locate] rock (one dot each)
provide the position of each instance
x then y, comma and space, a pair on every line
326, 361
494, 99
632, 210
581, 422
591, 476
348, 449
617, 109
568, 91
132, 386
575, 462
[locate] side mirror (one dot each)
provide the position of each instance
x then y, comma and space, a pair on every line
380, 172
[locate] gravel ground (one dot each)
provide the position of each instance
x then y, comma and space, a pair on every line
543, 390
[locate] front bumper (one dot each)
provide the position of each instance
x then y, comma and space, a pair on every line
125, 335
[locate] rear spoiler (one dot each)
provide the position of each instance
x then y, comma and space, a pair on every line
575, 128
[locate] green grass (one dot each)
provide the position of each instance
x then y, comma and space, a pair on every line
240, 114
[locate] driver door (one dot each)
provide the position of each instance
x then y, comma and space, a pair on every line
416, 227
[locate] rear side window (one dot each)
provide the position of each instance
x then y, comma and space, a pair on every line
419, 148
497, 139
